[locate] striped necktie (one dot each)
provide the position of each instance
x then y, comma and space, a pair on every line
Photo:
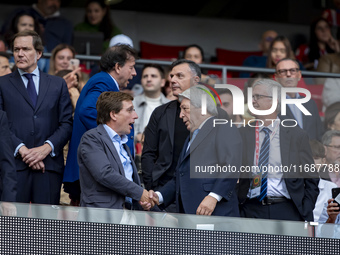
263, 162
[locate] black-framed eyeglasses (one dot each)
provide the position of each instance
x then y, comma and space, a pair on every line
335, 147
257, 97
284, 71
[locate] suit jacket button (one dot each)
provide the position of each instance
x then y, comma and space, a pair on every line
32, 132
182, 174
35, 116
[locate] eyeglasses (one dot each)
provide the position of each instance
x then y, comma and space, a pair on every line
335, 147
281, 50
284, 71
257, 97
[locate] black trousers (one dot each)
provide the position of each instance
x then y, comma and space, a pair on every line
287, 210
38, 187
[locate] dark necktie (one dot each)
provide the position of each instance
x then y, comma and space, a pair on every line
31, 88
263, 162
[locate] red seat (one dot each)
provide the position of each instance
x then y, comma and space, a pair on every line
234, 58
159, 52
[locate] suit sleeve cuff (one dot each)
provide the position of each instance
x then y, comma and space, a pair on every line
16, 152
160, 197
52, 154
216, 196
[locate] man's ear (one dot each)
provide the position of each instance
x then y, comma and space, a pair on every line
113, 115
39, 54
163, 83
197, 79
117, 68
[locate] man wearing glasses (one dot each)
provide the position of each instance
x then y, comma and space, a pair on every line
274, 189
288, 74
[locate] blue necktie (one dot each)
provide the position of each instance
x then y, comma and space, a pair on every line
192, 138
263, 161
31, 88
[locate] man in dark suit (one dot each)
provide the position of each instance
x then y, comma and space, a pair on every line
118, 67
281, 185
8, 177
196, 189
108, 175
39, 112
288, 75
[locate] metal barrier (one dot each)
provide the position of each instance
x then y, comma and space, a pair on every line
223, 68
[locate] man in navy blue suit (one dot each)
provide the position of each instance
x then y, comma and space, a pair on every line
118, 67
288, 75
209, 146
39, 113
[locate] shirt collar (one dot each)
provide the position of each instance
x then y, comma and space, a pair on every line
271, 126
297, 95
114, 136
115, 81
35, 72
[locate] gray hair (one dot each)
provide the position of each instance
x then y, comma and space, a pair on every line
194, 94
270, 85
327, 137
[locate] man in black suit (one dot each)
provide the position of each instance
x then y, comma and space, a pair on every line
165, 133
288, 75
8, 178
39, 112
279, 188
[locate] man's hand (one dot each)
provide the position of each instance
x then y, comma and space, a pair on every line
332, 211
145, 201
39, 166
8, 209
71, 78
33, 156
150, 201
207, 206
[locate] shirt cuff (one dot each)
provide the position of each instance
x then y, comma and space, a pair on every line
160, 197
17, 149
52, 154
216, 196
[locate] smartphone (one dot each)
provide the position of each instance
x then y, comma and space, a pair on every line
336, 196
74, 63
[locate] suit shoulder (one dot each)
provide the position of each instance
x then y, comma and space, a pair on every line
160, 109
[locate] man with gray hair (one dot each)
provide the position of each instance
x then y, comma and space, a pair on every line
275, 188
198, 186
165, 133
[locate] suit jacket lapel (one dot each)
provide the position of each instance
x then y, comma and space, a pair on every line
284, 145
111, 147
205, 130
43, 88
17, 82
171, 121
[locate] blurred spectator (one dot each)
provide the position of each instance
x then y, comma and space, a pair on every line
121, 39
321, 42
279, 48
195, 53
97, 19
332, 117
264, 45
288, 75
25, 21
152, 81
329, 63
3, 46
55, 29
333, 18
227, 105
4, 64
325, 184
331, 141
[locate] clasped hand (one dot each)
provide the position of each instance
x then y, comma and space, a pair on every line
149, 199
34, 157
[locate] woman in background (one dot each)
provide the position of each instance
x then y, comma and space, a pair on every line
97, 19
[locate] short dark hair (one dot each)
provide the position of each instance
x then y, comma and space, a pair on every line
330, 114
37, 42
5, 55
287, 59
318, 150
110, 102
119, 53
195, 69
194, 46
158, 67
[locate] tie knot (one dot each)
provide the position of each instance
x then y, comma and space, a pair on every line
28, 76
266, 130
